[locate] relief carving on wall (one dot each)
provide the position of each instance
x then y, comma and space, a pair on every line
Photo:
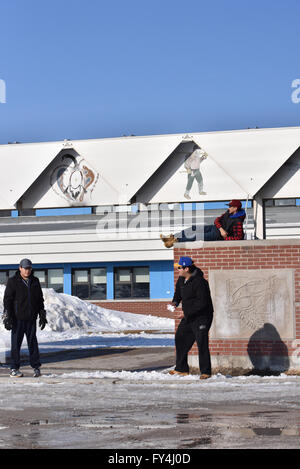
246, 300
251, 301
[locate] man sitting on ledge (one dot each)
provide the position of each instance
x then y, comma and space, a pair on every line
228, 227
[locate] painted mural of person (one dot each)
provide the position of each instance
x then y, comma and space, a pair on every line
192, 165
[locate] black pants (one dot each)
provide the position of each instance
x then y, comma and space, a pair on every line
187, 333
19, 329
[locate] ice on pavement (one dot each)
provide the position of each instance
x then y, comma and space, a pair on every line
74, 323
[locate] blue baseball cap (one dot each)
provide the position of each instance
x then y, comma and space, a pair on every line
184, 262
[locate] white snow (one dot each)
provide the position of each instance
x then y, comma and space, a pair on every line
74, 323
217, 381
66, 312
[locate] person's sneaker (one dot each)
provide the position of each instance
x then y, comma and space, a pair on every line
36, 373
204, 376
180, 373
16, 374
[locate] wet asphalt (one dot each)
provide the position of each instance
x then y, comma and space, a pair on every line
90, 412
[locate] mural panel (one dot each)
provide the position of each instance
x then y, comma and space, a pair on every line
74, 179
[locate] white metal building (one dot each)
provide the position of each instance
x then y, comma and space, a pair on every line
136, 189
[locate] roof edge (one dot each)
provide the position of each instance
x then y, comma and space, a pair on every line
184, 134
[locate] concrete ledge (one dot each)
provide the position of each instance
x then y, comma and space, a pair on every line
245, 243
241, 364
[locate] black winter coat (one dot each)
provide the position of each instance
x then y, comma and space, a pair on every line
23, 301
195, 296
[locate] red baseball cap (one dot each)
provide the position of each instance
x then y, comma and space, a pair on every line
235, 203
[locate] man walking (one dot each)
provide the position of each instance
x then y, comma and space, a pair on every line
23, 302
192, 290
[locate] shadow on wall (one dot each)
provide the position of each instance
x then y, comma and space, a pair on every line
267, 352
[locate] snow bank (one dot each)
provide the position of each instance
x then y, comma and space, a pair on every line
217, 380
65, 312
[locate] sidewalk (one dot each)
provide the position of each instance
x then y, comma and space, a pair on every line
112, 359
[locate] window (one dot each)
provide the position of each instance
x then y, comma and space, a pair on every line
132, 282
89, 284
41, 275
280, 202
98, 284
49, 278
285, 202
5, 274
56, 280
3, 277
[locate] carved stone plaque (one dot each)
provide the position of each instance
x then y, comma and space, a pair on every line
247, 300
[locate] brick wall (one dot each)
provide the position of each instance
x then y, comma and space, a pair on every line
246, 255
152, 307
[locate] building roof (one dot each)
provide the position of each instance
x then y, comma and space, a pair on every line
149, 169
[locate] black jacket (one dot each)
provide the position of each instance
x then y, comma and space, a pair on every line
195, 296
22, 301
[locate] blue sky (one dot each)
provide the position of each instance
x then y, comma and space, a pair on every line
92, 69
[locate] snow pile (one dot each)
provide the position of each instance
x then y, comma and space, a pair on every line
65, 312
217, 379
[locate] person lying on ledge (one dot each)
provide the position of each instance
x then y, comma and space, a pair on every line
227, 227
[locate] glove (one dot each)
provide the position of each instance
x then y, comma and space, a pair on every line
7, 320
43, 321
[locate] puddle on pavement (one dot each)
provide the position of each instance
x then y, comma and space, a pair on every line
189, 444
188, 418
26, 440
116, 419
198, 429
268, 413
249, 431
268, 431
